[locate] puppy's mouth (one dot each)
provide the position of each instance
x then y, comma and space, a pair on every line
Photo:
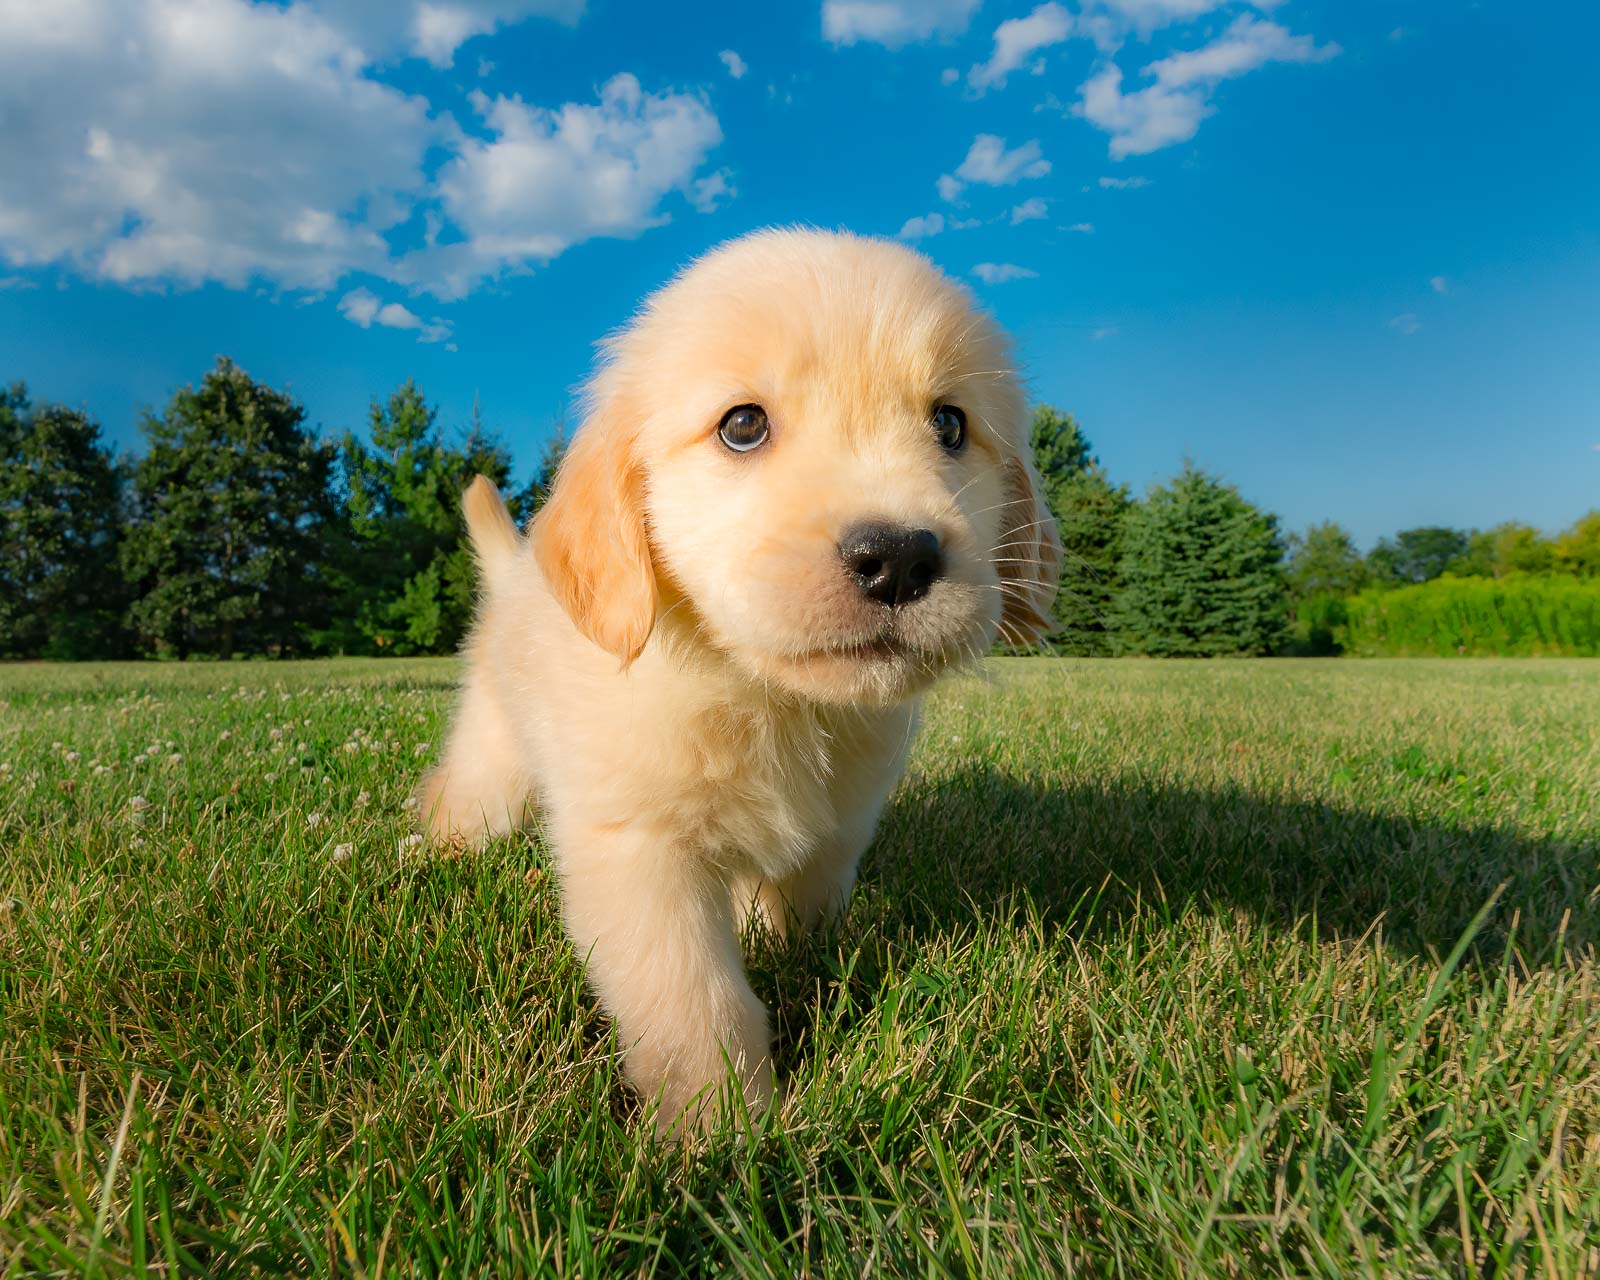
882, 649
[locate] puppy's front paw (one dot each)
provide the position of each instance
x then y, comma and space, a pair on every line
688, 1105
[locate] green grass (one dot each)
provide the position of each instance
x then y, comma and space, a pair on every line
1155, 970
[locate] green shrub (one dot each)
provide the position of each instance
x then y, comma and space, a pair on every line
1520, 615
1316, 627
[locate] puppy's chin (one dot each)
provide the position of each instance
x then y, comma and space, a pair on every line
874, 673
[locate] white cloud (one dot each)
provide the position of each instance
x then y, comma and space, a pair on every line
363, 307
1123, 184
1143, 121
1170, 110
186, 143
360, 306
1406, 323
893, 23
1439, 284
1016, 40
989, 164
179, 142
485, 68
949, 76
546, 180
735, 64
1082, 228
707, 193
433, 29
19, 283
1146, 16
1249, 43
919, 228
1029, 210
1000, 272
1105, 331
932, 224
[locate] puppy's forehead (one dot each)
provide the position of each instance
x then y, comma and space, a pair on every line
802, 315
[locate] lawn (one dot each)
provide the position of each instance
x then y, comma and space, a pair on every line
1156, 969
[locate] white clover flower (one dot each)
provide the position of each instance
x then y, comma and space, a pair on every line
154, 749
421, 749
313, 820
138, 804
275, 734
175, 758
55, 746
101, 769
271, 777
72, 757
342, 852
407, 843
350, 748
225, 735
363, 798
5, 767
302, 746
409, 803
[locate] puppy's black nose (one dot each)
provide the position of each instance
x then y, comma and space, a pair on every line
892, 564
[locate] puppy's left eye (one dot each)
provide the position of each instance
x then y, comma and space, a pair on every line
950, 425
744, 427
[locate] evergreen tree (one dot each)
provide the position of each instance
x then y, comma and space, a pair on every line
60, 502
231, 505
1088, 509
407, 570
525, 503
1203, 572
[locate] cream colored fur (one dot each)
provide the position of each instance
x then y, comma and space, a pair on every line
673, 666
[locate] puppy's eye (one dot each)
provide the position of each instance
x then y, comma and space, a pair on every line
950, 425
744, 428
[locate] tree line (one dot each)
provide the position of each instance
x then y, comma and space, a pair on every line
1192, 568
239, 530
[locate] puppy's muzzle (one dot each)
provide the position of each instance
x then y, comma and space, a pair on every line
891, 564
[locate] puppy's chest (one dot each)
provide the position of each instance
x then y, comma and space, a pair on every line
764, 785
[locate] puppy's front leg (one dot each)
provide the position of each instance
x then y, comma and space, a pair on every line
656, 926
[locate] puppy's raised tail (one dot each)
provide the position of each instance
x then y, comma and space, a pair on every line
495, 540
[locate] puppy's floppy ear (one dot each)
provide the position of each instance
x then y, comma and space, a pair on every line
590, 538
1028, 556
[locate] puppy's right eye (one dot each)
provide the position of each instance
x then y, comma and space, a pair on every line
744, 427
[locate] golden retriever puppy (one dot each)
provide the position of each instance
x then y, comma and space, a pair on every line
802, 491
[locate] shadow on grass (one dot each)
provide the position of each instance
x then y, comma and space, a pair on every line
966, 846
967, 849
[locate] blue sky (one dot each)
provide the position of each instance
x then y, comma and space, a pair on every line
1347, 254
